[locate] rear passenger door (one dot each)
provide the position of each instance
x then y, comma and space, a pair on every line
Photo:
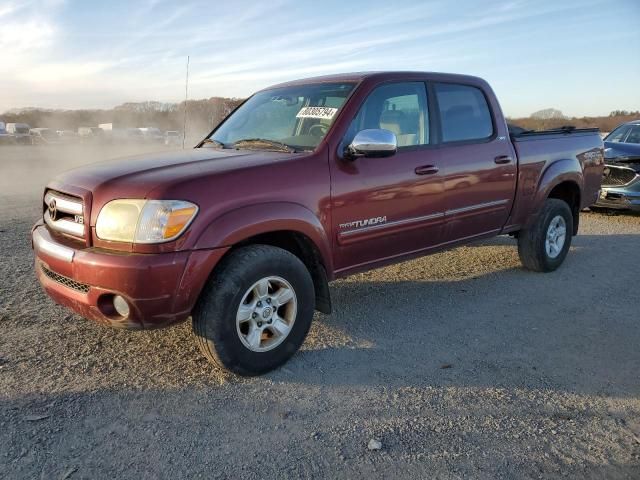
479, 166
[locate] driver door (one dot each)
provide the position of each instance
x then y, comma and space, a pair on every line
383, 208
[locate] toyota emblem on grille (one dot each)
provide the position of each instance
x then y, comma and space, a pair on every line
53, 211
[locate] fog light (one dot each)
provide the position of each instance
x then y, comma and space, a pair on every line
121, 306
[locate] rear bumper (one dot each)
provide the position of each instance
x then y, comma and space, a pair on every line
160, 289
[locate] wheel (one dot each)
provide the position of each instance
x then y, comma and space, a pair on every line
255, 310
544, 246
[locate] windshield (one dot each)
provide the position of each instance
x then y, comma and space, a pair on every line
297, 116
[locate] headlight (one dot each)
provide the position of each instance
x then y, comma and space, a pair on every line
144, 221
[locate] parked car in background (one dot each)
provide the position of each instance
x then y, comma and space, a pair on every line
172, 138
621, 181
5, 137
111, 134
152, 134
306, 182
44, 136
623, 142
133, 135
90, 133
20, 132
67, 136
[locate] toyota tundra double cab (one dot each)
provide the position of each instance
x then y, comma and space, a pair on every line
306, 182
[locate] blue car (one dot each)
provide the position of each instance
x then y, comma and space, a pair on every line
621, 181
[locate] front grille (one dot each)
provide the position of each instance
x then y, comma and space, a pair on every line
617, 176
65, 281
64, 213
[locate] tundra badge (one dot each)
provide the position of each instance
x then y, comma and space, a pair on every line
367, 222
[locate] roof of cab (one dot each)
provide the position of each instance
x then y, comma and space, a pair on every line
357, 77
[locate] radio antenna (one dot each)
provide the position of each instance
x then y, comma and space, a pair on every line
186, 97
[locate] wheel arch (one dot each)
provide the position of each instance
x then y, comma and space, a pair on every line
291, 227
304, 248
563, 180
569, 192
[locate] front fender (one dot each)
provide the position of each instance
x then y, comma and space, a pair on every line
245, 222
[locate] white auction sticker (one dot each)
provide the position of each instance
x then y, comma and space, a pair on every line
317, 112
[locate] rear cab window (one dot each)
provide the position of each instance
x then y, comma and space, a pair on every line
464, 113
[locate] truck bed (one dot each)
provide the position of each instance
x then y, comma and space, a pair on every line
538, 151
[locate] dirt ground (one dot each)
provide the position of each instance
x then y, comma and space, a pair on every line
461, 364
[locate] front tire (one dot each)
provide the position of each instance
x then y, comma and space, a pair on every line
255, 310
544, 245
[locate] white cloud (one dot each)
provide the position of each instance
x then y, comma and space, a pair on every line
6, 9
70, 74
24, 36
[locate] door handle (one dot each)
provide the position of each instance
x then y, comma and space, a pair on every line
502, 159
426, 170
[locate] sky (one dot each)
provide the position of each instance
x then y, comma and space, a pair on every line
581, 57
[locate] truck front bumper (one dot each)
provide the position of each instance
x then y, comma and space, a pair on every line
159, 289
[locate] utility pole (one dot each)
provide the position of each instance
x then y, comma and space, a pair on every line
186, 97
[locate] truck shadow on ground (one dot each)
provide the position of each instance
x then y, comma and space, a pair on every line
468, 317
488, 323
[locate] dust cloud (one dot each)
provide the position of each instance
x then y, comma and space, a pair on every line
25, 170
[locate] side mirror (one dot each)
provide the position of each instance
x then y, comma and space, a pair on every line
374, 142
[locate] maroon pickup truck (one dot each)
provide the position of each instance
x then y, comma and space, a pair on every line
303, 183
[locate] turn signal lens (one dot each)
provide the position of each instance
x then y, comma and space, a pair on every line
177, 220
164, 220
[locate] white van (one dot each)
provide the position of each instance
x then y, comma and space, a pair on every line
5, 137
20, 132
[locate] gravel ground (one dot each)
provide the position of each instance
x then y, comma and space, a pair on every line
460, 364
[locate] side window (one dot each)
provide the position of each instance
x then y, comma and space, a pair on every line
634, 135
398, 107
618, 134
464, 113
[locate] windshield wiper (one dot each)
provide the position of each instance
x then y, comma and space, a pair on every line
279, 146
216, 143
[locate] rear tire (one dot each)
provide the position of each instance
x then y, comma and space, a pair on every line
255, 311
544, 245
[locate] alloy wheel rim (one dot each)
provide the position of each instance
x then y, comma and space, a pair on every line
556, 236
266, 314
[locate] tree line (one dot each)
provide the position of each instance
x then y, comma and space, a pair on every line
604, 123
202, 116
